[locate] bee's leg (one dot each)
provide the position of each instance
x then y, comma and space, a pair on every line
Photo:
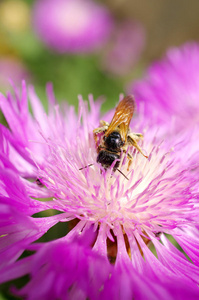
98, 130
103, 127
104, 123
133, 138
130, 157
130, 161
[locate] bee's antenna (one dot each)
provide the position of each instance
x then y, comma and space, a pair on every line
122, 174
86, 167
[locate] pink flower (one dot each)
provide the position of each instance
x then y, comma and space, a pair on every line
124, 48
71, 25
12, 69
170, 87
18, 229
112, 221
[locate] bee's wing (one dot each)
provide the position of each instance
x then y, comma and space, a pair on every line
122, 117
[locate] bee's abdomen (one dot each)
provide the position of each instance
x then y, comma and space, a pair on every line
106, 159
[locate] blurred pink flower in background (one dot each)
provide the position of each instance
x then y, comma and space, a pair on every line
71, 25
170, 87
12, 69
124, 48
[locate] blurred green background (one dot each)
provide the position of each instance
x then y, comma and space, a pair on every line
166, 23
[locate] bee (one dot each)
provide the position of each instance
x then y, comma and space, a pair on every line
117, 136
39, 183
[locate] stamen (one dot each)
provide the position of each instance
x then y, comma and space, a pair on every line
122, 173
86, 167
